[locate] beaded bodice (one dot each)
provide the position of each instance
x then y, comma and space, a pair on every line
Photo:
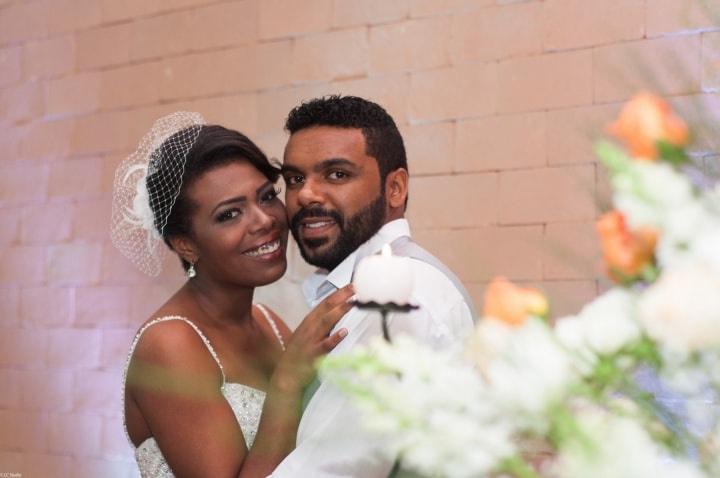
246, 403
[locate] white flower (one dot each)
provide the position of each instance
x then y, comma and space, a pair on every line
432, 408
571, 332
682, 309
141, 214
531, 374
710, 363
692, 233
604, 326
616, 447
705, 247
489, 340
647, 191
712, 199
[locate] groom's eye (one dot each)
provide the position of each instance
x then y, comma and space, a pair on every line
294, 180
337, 175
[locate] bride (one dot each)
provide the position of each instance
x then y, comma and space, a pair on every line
213, 383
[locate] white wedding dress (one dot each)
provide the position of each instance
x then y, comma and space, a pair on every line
246, 402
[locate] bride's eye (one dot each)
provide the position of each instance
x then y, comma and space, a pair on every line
227, 215
271, 194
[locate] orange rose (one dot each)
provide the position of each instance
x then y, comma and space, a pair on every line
511, 304
645, 120
625, 253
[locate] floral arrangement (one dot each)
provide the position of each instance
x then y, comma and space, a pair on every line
625, 388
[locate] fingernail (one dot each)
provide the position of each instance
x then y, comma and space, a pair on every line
352, 298
342, 333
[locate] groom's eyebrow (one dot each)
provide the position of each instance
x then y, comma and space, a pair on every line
288, 169
334, 163
320, 166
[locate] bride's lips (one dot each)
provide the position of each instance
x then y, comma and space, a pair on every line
316, 227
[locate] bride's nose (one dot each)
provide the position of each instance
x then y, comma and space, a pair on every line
262, 220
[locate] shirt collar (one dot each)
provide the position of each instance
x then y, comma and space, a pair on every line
321, 282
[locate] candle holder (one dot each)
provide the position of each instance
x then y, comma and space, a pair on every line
384, 310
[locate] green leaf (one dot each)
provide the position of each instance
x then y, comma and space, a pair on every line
671, 153
518, 467
650, 273
613, 157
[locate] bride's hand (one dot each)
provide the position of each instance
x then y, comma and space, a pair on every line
312, 339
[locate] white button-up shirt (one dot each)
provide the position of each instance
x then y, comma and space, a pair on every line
331, 440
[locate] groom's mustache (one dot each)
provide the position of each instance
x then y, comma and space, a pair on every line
306, 213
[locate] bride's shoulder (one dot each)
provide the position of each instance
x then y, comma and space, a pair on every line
173, 341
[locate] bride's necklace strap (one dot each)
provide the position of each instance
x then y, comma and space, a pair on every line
272, 323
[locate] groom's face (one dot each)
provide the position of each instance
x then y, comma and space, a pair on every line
333, 193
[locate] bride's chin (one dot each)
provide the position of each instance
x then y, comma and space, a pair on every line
273, 274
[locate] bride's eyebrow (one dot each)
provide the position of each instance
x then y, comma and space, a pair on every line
231, 200
236, 199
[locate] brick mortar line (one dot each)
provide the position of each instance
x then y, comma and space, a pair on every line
104, 23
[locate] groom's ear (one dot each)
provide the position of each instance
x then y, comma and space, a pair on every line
396, 188
184, 247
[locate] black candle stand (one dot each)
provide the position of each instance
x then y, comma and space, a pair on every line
384, 310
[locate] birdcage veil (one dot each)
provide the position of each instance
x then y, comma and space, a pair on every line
139, 213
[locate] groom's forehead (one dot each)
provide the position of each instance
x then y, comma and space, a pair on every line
324, 142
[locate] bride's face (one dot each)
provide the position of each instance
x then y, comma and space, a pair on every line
239, 226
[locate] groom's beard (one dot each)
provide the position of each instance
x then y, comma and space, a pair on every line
353, 232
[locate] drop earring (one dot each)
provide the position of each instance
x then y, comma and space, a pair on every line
191, 271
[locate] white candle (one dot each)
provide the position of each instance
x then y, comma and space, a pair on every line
383, 278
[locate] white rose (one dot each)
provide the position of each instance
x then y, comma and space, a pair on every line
682, 309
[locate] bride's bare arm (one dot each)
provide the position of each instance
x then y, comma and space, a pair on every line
176, 385
281, 413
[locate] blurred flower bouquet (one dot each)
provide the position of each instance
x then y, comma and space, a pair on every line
626, 388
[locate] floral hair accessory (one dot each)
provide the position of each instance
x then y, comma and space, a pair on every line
139, 212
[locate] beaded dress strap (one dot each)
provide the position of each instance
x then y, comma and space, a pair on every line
137, 339
272, 323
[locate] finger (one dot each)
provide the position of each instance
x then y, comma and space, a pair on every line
331, 342
339, 296
333, 316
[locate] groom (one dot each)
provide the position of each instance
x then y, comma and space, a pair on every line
346, 177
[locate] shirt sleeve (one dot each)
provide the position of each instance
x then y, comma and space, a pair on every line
332, 441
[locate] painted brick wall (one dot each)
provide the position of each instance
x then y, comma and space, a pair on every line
498, 100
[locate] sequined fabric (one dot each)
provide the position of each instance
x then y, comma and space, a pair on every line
246, 402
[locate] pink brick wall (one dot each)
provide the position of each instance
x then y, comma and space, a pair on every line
498, 100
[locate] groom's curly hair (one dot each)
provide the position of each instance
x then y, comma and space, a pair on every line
382, 137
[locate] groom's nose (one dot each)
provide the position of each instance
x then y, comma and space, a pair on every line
310, 194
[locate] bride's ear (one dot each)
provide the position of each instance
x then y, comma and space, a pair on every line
185, 248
